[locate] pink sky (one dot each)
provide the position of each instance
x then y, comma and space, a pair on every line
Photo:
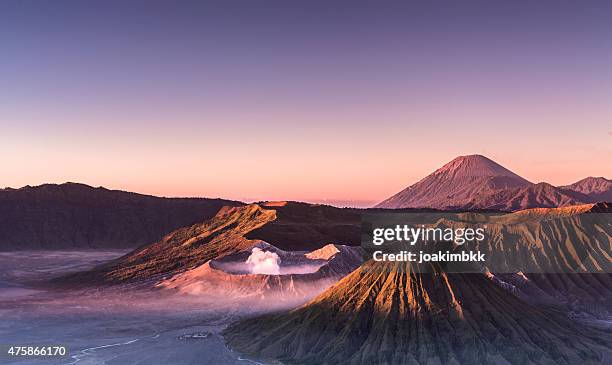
369, 159
309, 101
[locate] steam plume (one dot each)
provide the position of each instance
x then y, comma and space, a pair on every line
263, 262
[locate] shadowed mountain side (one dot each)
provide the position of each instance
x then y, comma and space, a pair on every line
302, 226
598, 188
70, 215
294, 226
577, 294
384, 313
540, 195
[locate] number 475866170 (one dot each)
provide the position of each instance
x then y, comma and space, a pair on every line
26, 351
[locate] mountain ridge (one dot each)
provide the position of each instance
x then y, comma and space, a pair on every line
477, 182
287, 226
598, 188
384, 314
412, 313
74, 215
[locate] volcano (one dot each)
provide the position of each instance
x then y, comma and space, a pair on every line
387, 313
476, 182
456, 184
409, 313
292, 277
287, 226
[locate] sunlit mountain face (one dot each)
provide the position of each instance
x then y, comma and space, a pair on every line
476, 182
408, 312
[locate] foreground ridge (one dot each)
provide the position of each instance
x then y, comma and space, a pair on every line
386, 313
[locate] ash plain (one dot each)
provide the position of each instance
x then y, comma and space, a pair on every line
119, 325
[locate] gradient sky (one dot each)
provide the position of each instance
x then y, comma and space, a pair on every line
300, 100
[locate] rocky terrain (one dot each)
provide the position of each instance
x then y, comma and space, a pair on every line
77, 216
575, 239
285, 225
408, 313
476, 182
384, 314
294, 277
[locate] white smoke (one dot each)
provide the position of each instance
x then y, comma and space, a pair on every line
263, 262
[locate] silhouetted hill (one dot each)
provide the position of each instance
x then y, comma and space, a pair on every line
74, 215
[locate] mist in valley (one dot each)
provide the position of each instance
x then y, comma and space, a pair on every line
115, 325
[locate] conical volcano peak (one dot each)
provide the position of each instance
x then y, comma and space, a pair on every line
459, 183
386, 313
474, 166
477, 182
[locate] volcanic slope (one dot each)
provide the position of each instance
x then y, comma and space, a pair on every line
286, 225
456, 184
297, 277
574, 239
386, 313
476, 182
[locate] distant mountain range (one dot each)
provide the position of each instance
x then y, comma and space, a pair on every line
74, 215
476, 182
597, 188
